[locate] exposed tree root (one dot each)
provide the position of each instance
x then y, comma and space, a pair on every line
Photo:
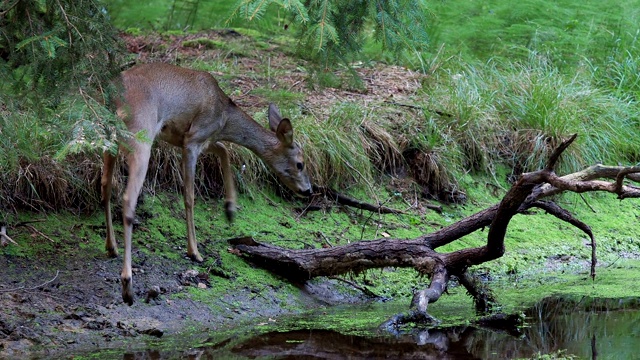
509, 323
395, 323
420, 254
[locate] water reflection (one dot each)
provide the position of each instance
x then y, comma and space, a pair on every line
597, 333
326, 344
553, 326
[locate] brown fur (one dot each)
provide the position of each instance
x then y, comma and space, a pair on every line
187, 108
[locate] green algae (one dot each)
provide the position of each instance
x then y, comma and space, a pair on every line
544, 257
616, 284
532, 240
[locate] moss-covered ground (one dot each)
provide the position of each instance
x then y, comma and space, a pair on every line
544, 257
59, 291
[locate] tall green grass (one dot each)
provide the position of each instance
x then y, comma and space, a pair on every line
476, 117
567, 31
516, 113
620, 72
526, 75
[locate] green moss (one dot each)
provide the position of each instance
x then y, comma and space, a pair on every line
519, 279
169, 33
251, 33
532, 240
616, 283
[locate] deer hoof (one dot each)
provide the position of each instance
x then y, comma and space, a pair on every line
127, 291
112, 252
230, 210
196, 257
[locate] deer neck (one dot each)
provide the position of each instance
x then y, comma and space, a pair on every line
241, 129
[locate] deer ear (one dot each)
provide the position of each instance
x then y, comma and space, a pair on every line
274, 117
284, 132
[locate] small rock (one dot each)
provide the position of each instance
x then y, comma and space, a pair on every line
153, 332
122, 325
93, 326
152, 293
190, 273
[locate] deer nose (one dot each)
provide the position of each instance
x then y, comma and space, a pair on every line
306, 193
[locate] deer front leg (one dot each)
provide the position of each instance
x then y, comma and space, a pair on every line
189, 157
230, 205
138, 161
107, 179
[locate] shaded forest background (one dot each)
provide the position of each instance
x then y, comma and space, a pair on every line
481, 94
497, 87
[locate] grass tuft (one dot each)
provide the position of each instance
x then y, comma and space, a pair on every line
516, 114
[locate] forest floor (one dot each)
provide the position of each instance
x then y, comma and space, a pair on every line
64, 302
60, 302
69, 303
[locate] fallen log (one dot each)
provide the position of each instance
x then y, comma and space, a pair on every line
420, 254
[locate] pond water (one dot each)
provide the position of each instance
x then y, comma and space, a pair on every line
553, 326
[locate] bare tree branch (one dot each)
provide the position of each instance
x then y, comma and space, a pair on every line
420, 254
348, 201
564, 215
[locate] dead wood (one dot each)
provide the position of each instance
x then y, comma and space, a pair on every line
33, 287
348, 201
483, 297
36, 231
420, 254
4, 238
436, 208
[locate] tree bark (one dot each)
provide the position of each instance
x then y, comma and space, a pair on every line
420, 254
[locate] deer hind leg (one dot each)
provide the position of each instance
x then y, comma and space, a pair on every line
138, 160
230, 205
189, 158
107, 178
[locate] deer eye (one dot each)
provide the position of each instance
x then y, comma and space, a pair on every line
300, 166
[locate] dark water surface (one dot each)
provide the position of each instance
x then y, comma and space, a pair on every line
552, 326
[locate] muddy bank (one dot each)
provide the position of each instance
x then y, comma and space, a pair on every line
75, 304
66, 299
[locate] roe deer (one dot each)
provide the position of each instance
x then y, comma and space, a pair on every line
187, 108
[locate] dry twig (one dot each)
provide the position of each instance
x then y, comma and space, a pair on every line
345, 200
34, 287
39, 232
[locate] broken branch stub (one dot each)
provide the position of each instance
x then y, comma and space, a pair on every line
4, 237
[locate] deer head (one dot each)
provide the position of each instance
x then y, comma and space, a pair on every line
286, 159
